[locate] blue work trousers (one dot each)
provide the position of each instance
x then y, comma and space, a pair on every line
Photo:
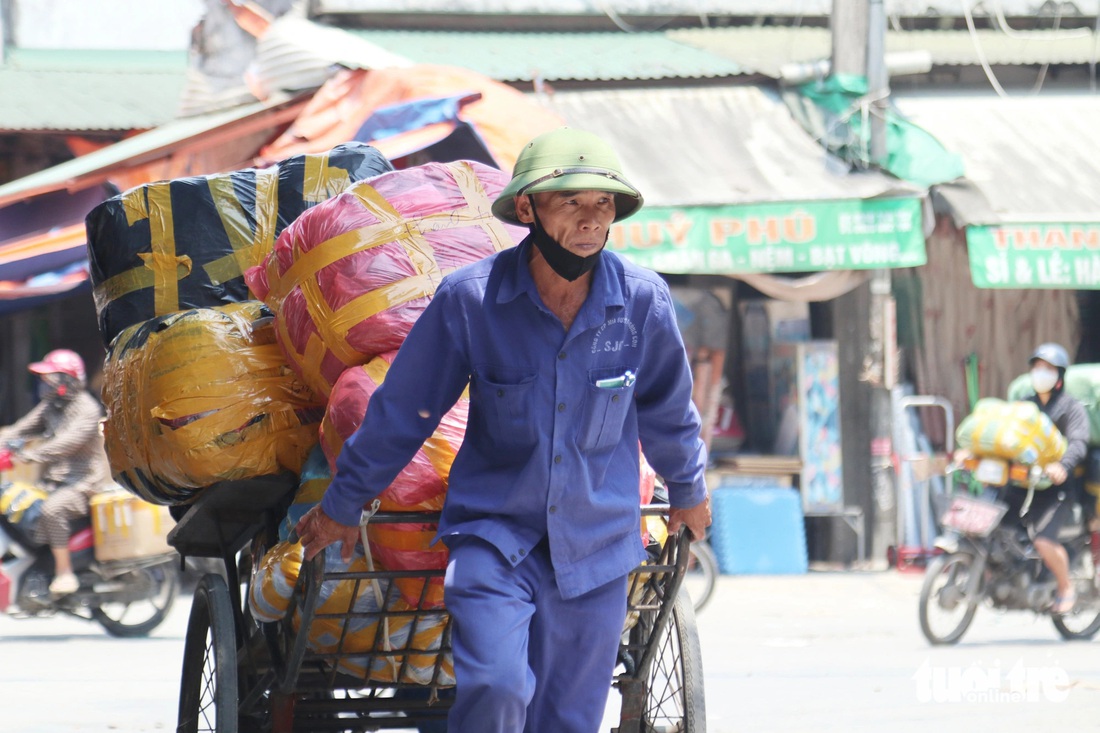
525, 658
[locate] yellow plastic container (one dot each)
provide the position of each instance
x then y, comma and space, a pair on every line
127, 528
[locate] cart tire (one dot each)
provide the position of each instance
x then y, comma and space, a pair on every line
702, 574
208, 682
944, 590
673, 688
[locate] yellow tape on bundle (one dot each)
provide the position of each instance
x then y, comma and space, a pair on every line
469, 182
163, 268
320, 182
250, 247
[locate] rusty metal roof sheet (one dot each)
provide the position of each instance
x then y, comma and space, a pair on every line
713, 145
1034, 159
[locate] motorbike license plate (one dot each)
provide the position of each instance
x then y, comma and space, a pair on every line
973, 516
992, 471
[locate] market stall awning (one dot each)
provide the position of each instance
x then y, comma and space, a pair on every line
1028, 200
42, 215
734, 185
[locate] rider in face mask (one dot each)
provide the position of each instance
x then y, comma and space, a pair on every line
1050, 509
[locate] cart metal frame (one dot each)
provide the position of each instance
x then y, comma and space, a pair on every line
240, 675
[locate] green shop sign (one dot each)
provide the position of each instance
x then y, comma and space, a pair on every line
856, 234
1050, 256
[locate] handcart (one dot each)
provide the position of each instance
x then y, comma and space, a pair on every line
239, 674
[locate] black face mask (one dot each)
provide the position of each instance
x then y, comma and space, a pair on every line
566, 264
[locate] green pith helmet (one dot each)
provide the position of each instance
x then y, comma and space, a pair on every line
567, 160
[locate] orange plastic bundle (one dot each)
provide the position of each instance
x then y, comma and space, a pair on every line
203, 396
349, 277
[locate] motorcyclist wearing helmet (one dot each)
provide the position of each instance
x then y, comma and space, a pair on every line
66, 440
1052, 508
572, 355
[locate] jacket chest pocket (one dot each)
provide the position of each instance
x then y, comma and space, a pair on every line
506, 400
605, 411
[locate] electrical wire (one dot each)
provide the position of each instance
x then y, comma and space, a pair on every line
1046, 65
1092, 59
980, 51
1053, 35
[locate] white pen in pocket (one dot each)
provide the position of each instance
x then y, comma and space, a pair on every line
626, 380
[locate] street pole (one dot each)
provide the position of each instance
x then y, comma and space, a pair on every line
859, 47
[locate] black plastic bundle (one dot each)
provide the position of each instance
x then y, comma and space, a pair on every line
172, 245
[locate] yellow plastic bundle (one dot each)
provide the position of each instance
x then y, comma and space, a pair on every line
1015, 431
21, 505
203, 396
350, 610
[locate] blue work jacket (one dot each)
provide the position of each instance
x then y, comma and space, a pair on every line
551, 445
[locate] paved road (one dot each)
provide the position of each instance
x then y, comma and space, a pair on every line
822, 652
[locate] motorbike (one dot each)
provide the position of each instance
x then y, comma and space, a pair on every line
987, 557
128, 598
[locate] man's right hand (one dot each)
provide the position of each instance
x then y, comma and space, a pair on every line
316, 531
1057, 473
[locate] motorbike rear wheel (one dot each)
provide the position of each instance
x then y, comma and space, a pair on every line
129, 620
1082, 623
943, 595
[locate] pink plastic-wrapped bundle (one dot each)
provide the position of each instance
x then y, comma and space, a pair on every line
349, 277
422, 484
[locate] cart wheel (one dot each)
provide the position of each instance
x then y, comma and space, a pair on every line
208, 683
673, 688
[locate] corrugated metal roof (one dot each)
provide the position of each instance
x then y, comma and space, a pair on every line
765, 49
521, 57
1034, 159
90, 90
908, 8
716, 145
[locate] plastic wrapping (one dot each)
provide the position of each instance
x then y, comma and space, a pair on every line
349, 278
173, 245
1014, 431
21, 506
203, 396
355, 618
421, 485
312, 482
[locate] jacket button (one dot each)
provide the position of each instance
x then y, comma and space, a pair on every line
513, 558
557, 459
500, 393
561, 355
523, 553
614, 398
553, 510
561, 407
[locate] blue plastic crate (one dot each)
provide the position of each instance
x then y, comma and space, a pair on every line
758, 531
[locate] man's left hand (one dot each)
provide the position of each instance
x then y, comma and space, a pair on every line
696, 519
